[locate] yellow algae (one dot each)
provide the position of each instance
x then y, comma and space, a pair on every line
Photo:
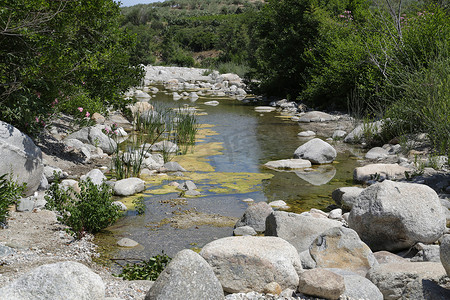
196, 160
128, 201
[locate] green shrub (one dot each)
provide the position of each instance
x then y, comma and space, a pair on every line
89, 210
146, 270
10, 192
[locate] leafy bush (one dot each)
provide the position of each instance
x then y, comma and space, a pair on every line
147, 269
89, 210
10, 192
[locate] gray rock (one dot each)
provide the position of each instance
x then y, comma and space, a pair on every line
81, 135
341, 248
244, 230
97, 177
50, 172
307, 261
255, 216
192, 193
126, 242
264, 108
358, 134
248, 263
43, 185
335, 214
20, 157
25, 204
316, 116
5, 251
346, 197
188, 276
212, 103
299, 230
321, 283
445, 253
339, 134
426, 253
409, 280
59, 281
151, 164
119, 204
278, 204
386, 257
188, 185
288, 164
376, 153
358, 287
307, 133
166, 146
316, 151
394, 215
129, 186
173, 166
318, 176
379, 171
101, 140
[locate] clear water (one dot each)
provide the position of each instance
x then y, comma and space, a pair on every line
249, 139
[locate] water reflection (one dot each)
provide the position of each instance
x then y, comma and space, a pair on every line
319, 175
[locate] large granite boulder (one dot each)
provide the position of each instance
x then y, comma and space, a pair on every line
255, 216
316, 151
394, 215
299, 230
358, 287
445, 253
409, 280
95, 175
188, 276
94, 136
59, 281
20, 157
248, 263
341, 248
321, 283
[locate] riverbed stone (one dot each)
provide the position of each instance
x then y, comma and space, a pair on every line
129, 186
395, 215
248, 263
358, 287
188, 276
173, 166
101, 140
59, 281
445, 253
20, 157
50, 172
341, 247
346, 197
315, 116
244, 230
126, 242
299, 230
295, 163
376, 153
409, 280
338, 134
166, 146
321, 283
307, 133
212, 103
188, 185
255, 216
316, 151
379, 171
386, 257
278, 204
264, 108
97, 177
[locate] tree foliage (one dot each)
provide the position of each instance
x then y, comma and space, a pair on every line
51, 51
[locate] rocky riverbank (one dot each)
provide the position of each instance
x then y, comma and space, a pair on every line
388, 240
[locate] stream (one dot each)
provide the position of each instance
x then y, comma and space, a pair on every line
227, 167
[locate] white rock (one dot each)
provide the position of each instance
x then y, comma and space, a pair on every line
129, 186
316, 151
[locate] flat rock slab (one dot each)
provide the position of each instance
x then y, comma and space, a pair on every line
316, 116
358, 287
128, 243
321, 283
288, 164
379, 171
247, 263
264, 108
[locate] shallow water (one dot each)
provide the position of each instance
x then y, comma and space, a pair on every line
245, 140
